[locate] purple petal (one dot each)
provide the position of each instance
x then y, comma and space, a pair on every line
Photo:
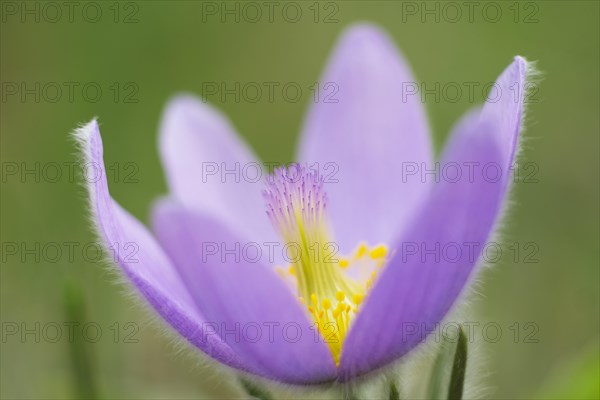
416, 291
364, 138
209, 168
143, 261
506, 110
239, 294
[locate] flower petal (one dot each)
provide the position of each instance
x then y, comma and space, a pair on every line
254, 311
367, 137
506, 109
417, 289
142, 259
204, 160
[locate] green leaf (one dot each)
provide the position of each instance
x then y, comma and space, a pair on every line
81, 360
438, 382
447, 376
394, 394
255, 390
459, 367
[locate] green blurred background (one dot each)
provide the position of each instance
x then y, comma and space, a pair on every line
167, 48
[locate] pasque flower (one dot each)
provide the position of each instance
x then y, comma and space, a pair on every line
322, 316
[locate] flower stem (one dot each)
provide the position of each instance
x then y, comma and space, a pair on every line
81, 363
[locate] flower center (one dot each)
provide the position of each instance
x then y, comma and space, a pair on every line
330, 286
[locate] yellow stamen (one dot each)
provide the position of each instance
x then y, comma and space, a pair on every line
357, 298
378, 252
362, 250
296, 208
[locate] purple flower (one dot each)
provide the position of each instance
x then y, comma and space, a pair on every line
366, 288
